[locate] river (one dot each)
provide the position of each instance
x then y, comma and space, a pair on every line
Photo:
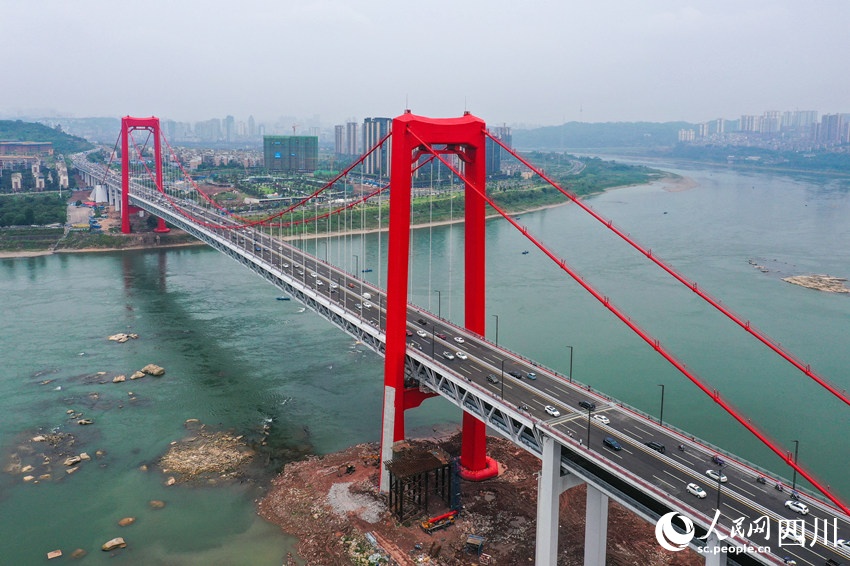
236, 358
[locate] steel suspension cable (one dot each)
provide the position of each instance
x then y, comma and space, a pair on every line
656, 344
745, 324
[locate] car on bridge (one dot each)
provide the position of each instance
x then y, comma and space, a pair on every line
552, 411
422, 322
366, 304
601, 418
716, 475
459, 339
797, 507
448, 355
461, 355
612, 444
408, 332
422, 333
589, 405
657, 446
696, 490
492, 379
531, 375
350, 285
441, 336
516, 374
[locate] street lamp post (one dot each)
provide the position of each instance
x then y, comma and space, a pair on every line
661, 416
589, 410
719, 483
439, 304
794, 481
356, 266
503, 380
497, 328
433, 331
571, 363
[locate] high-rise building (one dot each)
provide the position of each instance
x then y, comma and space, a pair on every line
351, 138
339, 139
378, 162
830, 129
229, 128
252, 127
687, 135
493, 151
291, 154
770, 122
750, 123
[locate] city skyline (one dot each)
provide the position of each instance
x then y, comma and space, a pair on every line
511, 63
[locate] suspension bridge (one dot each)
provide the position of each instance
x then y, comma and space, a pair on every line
560, 421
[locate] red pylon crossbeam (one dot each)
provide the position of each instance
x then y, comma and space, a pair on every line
785, 455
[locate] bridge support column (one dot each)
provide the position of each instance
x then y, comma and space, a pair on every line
161, 228
595, 527
548, 498
550, 486
713, 555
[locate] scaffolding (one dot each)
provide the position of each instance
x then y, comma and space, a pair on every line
414, 475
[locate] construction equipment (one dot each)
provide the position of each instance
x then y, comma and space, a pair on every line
474, 544
437, 523
345, 469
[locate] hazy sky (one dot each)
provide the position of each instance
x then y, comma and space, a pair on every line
520, 62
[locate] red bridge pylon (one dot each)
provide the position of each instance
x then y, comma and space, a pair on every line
465, 138
129, 124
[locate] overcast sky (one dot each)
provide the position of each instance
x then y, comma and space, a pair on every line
520, 62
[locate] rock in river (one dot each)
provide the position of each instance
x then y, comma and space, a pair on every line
117, 542
154, 370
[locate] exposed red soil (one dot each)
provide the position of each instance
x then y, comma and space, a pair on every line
502, 510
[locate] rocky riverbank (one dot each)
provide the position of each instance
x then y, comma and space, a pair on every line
340, 518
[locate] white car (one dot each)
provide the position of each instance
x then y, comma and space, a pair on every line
458, 339
798, 538
601, 418
843, 544
358, 306
448, 355
367, 304
716, 476
313, 274
334, 285
461, 355
319, 283
797, 507
552, 411
694, 489
285, 265
422, 333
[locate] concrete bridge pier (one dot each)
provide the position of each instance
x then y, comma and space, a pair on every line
713, 558
595, 527
550, 485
